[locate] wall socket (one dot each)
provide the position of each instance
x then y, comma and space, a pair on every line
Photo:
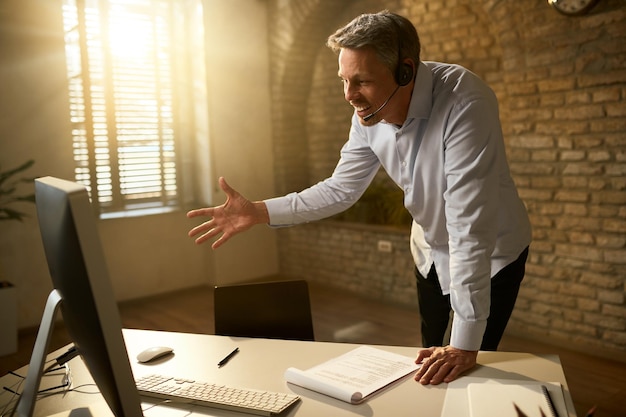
384, 246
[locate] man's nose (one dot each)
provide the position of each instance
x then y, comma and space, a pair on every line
350, 91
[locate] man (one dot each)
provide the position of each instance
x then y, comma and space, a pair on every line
435, 129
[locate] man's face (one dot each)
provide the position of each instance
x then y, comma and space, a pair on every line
367, 84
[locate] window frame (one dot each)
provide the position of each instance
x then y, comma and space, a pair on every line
87, 151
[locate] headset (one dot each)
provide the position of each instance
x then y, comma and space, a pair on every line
404, 71
403, 75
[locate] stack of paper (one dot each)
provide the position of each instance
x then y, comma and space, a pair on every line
529, 400
485, 397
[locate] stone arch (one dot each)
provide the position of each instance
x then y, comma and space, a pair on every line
295, 41
308, 114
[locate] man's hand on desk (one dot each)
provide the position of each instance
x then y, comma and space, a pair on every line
443, 364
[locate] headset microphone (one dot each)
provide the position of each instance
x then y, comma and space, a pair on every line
369, 116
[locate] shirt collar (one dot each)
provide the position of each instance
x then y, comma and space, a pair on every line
421, 99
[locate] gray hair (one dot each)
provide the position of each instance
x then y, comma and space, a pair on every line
391, 36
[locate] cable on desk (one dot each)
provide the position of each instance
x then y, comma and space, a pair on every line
53, 365
9, 407
78, 389
66, 383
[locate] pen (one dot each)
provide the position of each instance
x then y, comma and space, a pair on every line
227, 358
591, 412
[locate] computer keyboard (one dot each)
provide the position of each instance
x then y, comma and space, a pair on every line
263, 403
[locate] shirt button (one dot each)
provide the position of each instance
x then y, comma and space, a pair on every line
404, 163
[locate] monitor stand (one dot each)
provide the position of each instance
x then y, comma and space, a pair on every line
26, 403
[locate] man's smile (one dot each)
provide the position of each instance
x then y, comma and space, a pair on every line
360, 108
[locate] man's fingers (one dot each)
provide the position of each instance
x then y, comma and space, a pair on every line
432, 368
454, 374
219, 242
206, 236
194, 213
200, 212
228, 190
423, 354
422, 371
443, 364
443, 370
201, 228
234, 216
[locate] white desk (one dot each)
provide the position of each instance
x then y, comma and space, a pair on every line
261, 363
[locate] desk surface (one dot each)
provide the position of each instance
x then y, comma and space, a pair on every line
261, 363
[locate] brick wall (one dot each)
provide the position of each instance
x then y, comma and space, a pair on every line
346, 256
561, 82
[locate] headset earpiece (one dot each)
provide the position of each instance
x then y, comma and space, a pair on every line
404, 74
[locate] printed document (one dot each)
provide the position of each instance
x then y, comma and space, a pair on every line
353, 376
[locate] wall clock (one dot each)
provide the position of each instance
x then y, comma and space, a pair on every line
573, 7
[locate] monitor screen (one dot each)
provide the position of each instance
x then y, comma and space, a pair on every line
80, 278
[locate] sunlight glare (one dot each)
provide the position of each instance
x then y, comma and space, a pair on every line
130, 35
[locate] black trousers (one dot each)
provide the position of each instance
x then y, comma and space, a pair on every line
435, 307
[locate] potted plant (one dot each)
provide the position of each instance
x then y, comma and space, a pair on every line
8, 294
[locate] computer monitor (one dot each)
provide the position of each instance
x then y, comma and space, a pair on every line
82, 288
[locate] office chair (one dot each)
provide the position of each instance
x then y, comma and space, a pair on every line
272, 310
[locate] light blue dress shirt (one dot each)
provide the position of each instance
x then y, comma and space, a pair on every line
449, 159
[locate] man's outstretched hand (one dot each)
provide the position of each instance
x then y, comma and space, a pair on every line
236, 215
443, 364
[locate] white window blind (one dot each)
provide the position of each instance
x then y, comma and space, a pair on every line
123, 57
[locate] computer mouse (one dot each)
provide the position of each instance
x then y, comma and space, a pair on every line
154, 353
